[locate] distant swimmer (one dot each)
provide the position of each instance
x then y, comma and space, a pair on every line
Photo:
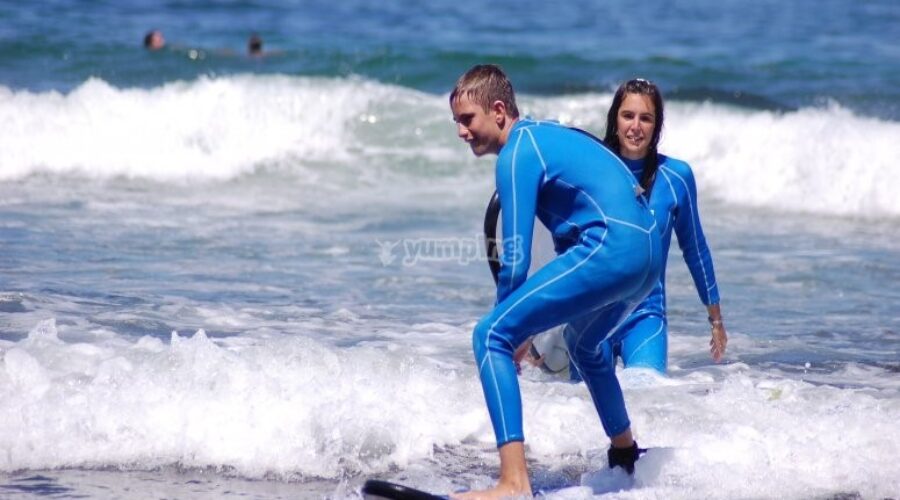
633, 126
154, 40
255, 45
608, 259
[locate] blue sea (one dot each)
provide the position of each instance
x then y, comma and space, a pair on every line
230, 276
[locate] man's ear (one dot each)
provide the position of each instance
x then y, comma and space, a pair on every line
499, 111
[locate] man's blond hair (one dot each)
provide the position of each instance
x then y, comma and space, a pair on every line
483, 85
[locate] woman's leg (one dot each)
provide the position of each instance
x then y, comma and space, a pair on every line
645, 343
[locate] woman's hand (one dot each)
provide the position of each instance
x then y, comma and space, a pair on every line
719, 339
524, 352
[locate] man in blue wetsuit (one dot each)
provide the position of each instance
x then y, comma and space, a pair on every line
608, 260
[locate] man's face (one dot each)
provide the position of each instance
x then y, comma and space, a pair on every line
479, 128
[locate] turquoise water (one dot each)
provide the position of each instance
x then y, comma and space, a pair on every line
223, 275
767, 53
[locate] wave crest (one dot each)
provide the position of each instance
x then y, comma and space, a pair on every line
353, 134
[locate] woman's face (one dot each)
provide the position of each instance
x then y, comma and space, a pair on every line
634, 125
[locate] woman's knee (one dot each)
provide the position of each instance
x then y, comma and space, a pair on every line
645, 345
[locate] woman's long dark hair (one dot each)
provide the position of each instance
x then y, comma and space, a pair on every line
641, 87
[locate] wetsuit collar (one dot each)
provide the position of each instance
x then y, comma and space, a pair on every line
636, 166
520, 122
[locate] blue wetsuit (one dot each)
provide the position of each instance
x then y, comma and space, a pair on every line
609, 258
642, 340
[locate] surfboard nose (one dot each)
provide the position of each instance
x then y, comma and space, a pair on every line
376, 489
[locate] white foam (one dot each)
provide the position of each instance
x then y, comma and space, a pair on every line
817, 160
215, 128
297, 408
289, 406
824, 160
352, 135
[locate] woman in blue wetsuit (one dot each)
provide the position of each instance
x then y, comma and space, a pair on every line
633, 126
609, 258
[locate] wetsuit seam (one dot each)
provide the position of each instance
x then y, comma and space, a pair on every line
671, 218
515, 208
561, 218
603, 217
537, 151
693, 219
513, 306
648, 339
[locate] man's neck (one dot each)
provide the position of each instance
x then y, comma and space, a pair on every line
504, 134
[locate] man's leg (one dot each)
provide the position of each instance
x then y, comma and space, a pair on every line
595, 359
555, 295
592, 355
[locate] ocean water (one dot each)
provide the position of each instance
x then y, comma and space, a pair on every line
225, 276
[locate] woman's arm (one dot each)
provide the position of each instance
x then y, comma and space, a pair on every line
696, 253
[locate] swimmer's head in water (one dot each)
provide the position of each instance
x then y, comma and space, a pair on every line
254, 45
154, 40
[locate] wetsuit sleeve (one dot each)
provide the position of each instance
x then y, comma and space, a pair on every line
691, 240
519, 175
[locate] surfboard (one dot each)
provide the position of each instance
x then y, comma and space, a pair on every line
376, 489
599, 479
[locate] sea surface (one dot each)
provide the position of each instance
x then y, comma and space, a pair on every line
227, 276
